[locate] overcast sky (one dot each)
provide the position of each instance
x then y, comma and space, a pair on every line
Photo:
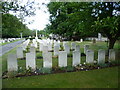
40, 19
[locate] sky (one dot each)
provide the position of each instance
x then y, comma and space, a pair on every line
40, 19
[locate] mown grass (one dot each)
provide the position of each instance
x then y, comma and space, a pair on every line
101, 78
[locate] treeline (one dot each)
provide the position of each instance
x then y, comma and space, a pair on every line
12, 27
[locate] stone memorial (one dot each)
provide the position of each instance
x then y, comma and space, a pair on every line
67, 49
56, 50
81, 40
19, 52
77, 48
86, 47
73, 45
30, 61
112, 55
89, 56
76, 58
62, 59
12, 62
101, 56
47, 60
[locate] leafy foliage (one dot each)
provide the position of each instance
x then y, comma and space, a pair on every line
12, 26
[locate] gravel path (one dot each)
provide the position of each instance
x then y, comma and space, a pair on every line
5, 48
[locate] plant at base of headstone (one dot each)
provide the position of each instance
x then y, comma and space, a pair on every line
63, 69
62, 48
70, 68
103, 65
55, 69
21, 71
113, 63
11, 74
28, 71
46, 70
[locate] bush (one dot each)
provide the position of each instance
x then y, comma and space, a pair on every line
45, 70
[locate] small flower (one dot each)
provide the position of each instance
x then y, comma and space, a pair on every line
86, 70
84, 63
81, 68
20, 67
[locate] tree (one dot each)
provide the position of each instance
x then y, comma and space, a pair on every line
12, 26
110, 27
71, 19
108, 21
76, 19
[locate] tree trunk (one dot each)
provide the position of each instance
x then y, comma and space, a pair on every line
111, 43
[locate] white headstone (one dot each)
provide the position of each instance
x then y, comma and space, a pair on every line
77, 48
62, 59
47, 60
40, 46
81, 40
56, 50
112, 55
99, 36
86, 47
73, 45
67, 49
30, 61
101, 56
89, 56
19, 52
50, 46
12, 62
76, 58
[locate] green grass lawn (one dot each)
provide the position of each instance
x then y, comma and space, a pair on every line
102, 78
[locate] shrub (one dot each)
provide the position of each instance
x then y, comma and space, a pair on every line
45, 70
69, 68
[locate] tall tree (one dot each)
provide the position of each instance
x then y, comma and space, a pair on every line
71, 19
108, 22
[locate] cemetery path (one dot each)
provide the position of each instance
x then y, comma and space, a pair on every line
8, 47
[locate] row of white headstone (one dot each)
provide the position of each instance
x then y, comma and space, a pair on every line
62, 58
8, 40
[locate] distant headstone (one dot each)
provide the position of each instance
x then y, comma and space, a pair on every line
77, 48
40, 46
56, 50
62, 59
76, 58
86, 47
19, 52
94, 40
111, 54
30, 61
33, 50
12, 62
47, 60
81, 40
67, 49
50, 46
99, 36
101, 56
89, 56
73, 45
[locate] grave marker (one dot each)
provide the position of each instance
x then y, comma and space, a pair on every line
62, 59
12, 62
